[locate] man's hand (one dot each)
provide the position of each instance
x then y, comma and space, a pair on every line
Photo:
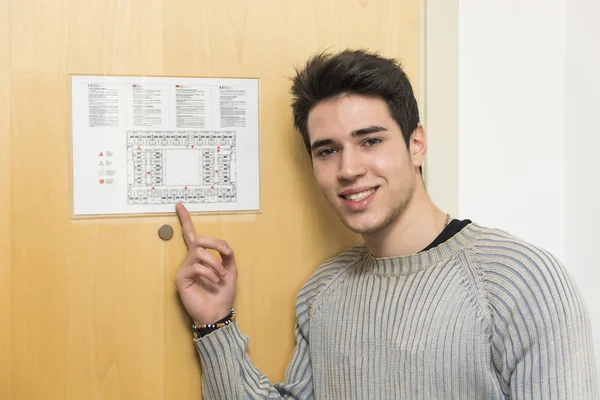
205, 284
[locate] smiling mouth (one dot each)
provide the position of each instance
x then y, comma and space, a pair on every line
359, 196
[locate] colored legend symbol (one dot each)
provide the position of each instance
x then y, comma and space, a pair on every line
102, 181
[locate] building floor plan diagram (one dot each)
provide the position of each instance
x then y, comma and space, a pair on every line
181, 166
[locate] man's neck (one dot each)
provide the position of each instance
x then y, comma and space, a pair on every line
412, 231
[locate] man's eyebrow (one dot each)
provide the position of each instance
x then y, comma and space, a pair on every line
367, 130
359, 132
320, 143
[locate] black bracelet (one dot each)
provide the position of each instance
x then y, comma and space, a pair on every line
203, 330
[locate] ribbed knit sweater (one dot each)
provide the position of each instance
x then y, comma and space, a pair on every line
484, 315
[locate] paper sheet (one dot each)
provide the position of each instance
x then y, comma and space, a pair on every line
143, 144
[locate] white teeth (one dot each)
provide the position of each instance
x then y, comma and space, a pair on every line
360, 196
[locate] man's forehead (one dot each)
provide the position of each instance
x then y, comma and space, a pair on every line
338, 117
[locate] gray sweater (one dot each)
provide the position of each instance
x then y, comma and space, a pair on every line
481, 316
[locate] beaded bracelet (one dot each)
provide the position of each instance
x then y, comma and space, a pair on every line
203, 330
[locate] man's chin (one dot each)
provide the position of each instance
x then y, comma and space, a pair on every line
362, 227
370, 221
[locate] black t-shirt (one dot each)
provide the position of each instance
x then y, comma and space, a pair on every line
450, 230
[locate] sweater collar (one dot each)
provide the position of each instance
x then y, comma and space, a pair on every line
413, 263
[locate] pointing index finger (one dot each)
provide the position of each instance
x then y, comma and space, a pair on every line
187, 226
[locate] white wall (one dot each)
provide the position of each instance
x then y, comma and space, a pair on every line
511, 117
529, 128
582, 145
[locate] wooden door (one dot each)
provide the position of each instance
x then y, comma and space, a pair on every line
89, 309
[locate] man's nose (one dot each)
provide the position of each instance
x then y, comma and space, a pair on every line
352, 166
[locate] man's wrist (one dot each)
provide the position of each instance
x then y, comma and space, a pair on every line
219, 317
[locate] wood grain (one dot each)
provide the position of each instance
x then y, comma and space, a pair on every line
95, 314
5, 204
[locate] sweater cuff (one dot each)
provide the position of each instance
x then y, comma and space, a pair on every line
222, 353
229, 335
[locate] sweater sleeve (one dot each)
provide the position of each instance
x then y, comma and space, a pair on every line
228, 373
541, 338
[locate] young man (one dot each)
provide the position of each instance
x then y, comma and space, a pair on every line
428, 308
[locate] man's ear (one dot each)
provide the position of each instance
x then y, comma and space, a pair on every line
418, 146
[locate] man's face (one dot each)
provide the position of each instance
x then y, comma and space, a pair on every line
360, 161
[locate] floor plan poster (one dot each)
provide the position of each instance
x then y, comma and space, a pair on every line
142, 144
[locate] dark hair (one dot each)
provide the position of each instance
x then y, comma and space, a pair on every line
359, 72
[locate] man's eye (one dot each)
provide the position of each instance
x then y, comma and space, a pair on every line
325, 152
372, 141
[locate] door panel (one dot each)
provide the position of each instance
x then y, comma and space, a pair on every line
5, 197
93, 311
